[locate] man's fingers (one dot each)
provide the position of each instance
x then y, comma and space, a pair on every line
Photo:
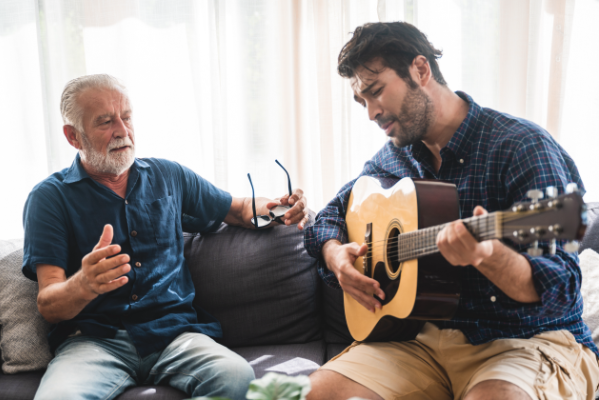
367, 301
357, 250
303, 222
295, 196
112, 274
478, 210
97, 255
106, 237
112, 285
350, 277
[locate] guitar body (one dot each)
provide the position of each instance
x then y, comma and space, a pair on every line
417, 290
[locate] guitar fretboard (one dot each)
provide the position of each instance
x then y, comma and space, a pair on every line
423, 242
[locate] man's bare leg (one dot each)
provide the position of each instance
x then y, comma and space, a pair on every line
496, 390
329, 385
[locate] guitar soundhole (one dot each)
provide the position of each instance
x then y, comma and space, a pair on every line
393, 250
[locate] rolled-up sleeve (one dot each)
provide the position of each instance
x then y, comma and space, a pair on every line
537, 164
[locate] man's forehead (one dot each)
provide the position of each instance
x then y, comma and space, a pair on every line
366, 75
104, 98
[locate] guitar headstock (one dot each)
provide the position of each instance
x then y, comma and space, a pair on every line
555, 218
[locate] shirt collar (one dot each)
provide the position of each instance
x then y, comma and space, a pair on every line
467, 133
464, 136
77, 173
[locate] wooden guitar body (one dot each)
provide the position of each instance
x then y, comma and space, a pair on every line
416, 290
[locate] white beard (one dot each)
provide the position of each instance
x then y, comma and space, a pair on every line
111, 163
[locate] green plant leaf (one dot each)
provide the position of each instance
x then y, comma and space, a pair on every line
274, 386
209, 398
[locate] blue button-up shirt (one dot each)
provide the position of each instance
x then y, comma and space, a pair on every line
493, 159
64, 217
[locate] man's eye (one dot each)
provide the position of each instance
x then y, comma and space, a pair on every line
378, 91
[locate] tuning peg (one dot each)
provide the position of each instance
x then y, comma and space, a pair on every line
535, 251
551, 192
571, 188
572, 247
534, 195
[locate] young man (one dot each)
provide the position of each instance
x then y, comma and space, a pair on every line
518, 332
122, 306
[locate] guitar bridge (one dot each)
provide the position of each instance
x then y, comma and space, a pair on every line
367, 259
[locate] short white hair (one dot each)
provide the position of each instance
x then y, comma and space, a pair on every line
72, 113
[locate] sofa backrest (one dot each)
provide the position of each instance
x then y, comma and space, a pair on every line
591, 237
262, 286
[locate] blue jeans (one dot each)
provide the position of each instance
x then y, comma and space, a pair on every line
95, 368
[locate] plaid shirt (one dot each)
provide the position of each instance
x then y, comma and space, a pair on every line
493, 159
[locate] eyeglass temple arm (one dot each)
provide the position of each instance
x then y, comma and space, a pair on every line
253, 202
288, 179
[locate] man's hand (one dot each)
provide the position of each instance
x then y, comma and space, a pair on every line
298, 213
459, 247
100, 274
340, 260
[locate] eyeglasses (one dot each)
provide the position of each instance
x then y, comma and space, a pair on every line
276, 213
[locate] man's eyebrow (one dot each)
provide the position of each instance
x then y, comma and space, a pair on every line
367, 88
101, 117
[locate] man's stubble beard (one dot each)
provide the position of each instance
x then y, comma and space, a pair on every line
417, 115
111, 163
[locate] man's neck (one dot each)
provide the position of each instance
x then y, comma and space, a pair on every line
450, 112
116, 183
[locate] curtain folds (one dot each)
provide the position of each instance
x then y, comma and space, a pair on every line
228, 86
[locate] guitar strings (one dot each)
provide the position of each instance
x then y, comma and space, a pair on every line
471, 221
411, 240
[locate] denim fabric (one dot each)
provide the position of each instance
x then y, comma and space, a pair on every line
87, 368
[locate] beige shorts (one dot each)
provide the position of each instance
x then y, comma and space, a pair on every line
442, 364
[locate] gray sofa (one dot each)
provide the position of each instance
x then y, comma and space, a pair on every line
265, 290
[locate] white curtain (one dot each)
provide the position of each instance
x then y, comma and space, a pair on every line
226, 87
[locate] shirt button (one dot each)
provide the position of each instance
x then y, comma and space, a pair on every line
134, 297
126, 202
493, 299
138, 264
461, 161
133, 233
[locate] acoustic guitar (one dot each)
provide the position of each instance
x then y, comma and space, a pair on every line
399, 221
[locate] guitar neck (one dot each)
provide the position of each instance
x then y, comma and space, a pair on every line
423, 242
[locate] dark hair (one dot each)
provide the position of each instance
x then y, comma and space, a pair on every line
395, 43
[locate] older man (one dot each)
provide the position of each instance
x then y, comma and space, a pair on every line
122, 305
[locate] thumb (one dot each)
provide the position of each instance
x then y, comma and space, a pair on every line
106, 237
356, 250
478, 210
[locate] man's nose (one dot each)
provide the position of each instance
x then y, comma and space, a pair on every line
374, 111
120, 129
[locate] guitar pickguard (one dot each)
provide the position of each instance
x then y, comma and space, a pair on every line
389, 286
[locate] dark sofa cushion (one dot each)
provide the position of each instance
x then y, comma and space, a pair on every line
19, 386
289, 359
261, 285
335, 327
591, 237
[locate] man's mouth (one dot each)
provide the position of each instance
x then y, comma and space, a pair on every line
119, 149
387, 127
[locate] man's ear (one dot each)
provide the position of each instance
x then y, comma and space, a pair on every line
422, 69
72, 137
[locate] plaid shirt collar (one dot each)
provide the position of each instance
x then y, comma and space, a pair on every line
463, 138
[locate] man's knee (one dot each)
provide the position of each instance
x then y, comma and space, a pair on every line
331, 385
226, 377
496, 389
